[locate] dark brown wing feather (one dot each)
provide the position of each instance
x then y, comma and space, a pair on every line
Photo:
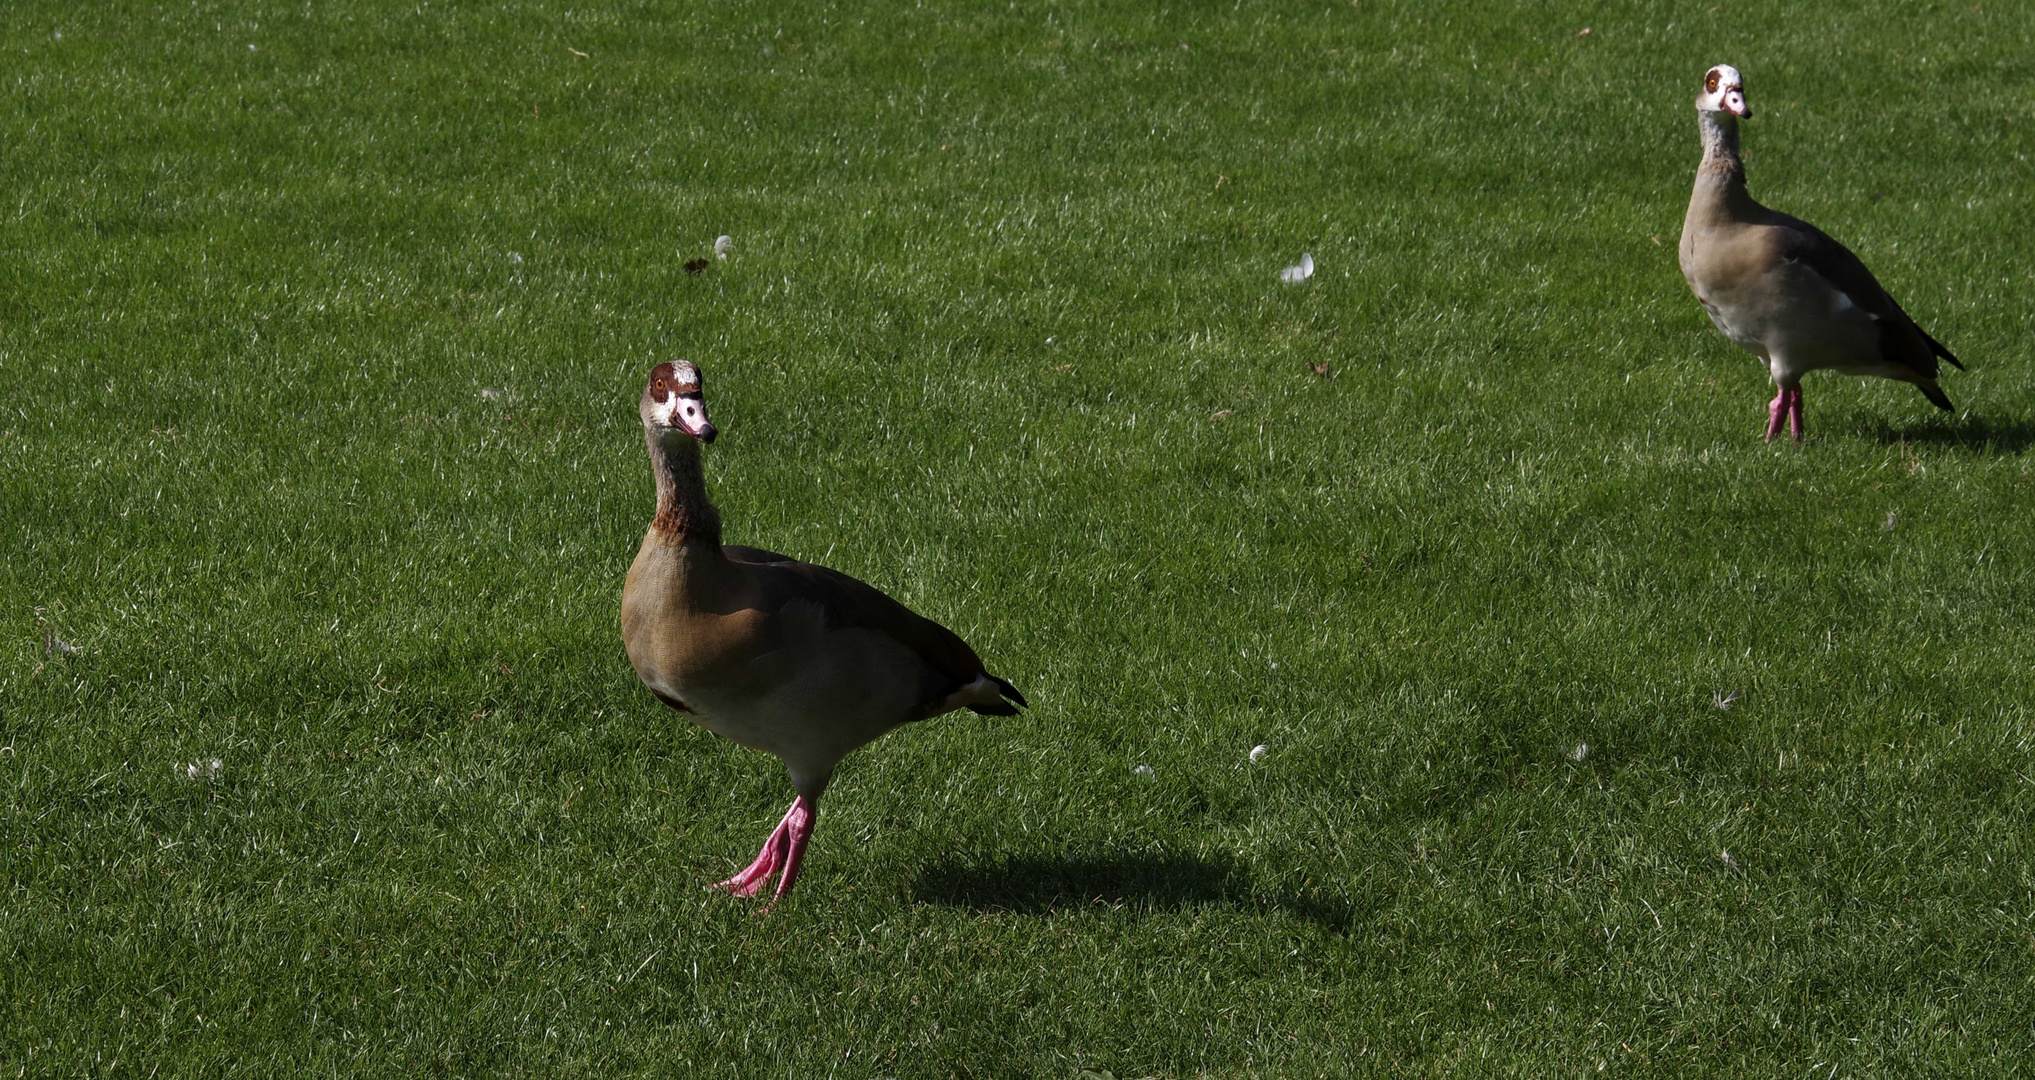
850, 603
1901, 340
738, 553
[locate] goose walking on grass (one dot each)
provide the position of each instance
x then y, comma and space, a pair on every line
1782, 290
778, 655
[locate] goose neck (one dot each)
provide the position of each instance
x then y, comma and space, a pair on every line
683, 511
1720, 145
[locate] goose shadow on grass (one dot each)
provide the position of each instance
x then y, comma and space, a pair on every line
1972, 435
1045, 884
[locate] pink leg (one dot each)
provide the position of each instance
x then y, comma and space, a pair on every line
783, 851
1777, 411
750, 879
795, 851
1795, 414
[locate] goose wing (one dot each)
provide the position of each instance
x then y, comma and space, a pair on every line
851, 604
739, 553
1901, 340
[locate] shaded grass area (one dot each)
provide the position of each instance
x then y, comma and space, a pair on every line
320, 333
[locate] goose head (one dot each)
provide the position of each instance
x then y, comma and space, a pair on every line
673, 402
1724, 92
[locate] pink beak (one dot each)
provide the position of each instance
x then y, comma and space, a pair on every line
689, 414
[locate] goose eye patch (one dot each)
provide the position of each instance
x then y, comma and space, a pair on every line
1710, 83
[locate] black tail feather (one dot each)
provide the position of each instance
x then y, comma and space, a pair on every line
1008, 691
1936, 347
1936, 396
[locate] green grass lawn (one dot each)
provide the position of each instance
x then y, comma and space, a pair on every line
321, 331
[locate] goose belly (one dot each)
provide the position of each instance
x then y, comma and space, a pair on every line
1820, 327
1735, 326
1797, 322
814, 702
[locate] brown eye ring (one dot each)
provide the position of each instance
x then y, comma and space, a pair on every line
660, 384
1710, 83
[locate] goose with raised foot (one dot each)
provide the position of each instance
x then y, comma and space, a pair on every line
1781, 289
778, 655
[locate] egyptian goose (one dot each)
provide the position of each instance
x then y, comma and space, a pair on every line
1779, 288
775, 654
